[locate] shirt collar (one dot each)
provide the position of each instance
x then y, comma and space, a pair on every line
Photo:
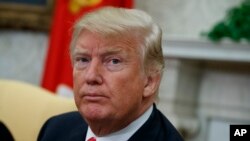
125, 133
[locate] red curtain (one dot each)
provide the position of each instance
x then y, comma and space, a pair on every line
57, 68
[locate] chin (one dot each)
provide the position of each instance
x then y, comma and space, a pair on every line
92, 112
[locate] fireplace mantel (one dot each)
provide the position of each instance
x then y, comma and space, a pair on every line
205, 50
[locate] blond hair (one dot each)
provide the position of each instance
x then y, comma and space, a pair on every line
113, 21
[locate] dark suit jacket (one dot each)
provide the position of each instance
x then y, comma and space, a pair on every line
72, 127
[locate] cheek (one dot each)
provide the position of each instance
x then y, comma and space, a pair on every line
77, 79
126, 96
126, 88
77, 82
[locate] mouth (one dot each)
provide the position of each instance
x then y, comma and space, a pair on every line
90, 97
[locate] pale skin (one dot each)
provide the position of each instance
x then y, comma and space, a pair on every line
111, 88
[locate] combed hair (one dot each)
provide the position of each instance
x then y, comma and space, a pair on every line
131, 22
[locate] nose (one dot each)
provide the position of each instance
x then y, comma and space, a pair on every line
93, 75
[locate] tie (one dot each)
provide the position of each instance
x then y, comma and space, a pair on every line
92, 139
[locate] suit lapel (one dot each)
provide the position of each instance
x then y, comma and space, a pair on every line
79, 133
149, 130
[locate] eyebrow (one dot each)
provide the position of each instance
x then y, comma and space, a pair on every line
103, 52
79, 51
111, 51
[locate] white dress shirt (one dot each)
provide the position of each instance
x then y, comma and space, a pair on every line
125, 133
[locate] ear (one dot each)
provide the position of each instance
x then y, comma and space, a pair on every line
151, 84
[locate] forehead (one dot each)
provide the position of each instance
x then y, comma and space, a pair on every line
111, 42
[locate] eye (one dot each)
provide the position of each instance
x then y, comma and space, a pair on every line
81, 62
115, 61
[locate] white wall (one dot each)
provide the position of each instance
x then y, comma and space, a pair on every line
22, 55
186, 19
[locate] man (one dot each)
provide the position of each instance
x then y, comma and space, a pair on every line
117, 67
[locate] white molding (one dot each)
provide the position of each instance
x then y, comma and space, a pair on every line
205, 50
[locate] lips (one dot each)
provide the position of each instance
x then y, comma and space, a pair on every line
93, 97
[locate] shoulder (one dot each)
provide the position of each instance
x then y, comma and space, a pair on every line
167, 129
157, 128
61, 126
66, 120
66, 117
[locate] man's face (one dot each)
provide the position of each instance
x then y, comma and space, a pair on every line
108, 78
